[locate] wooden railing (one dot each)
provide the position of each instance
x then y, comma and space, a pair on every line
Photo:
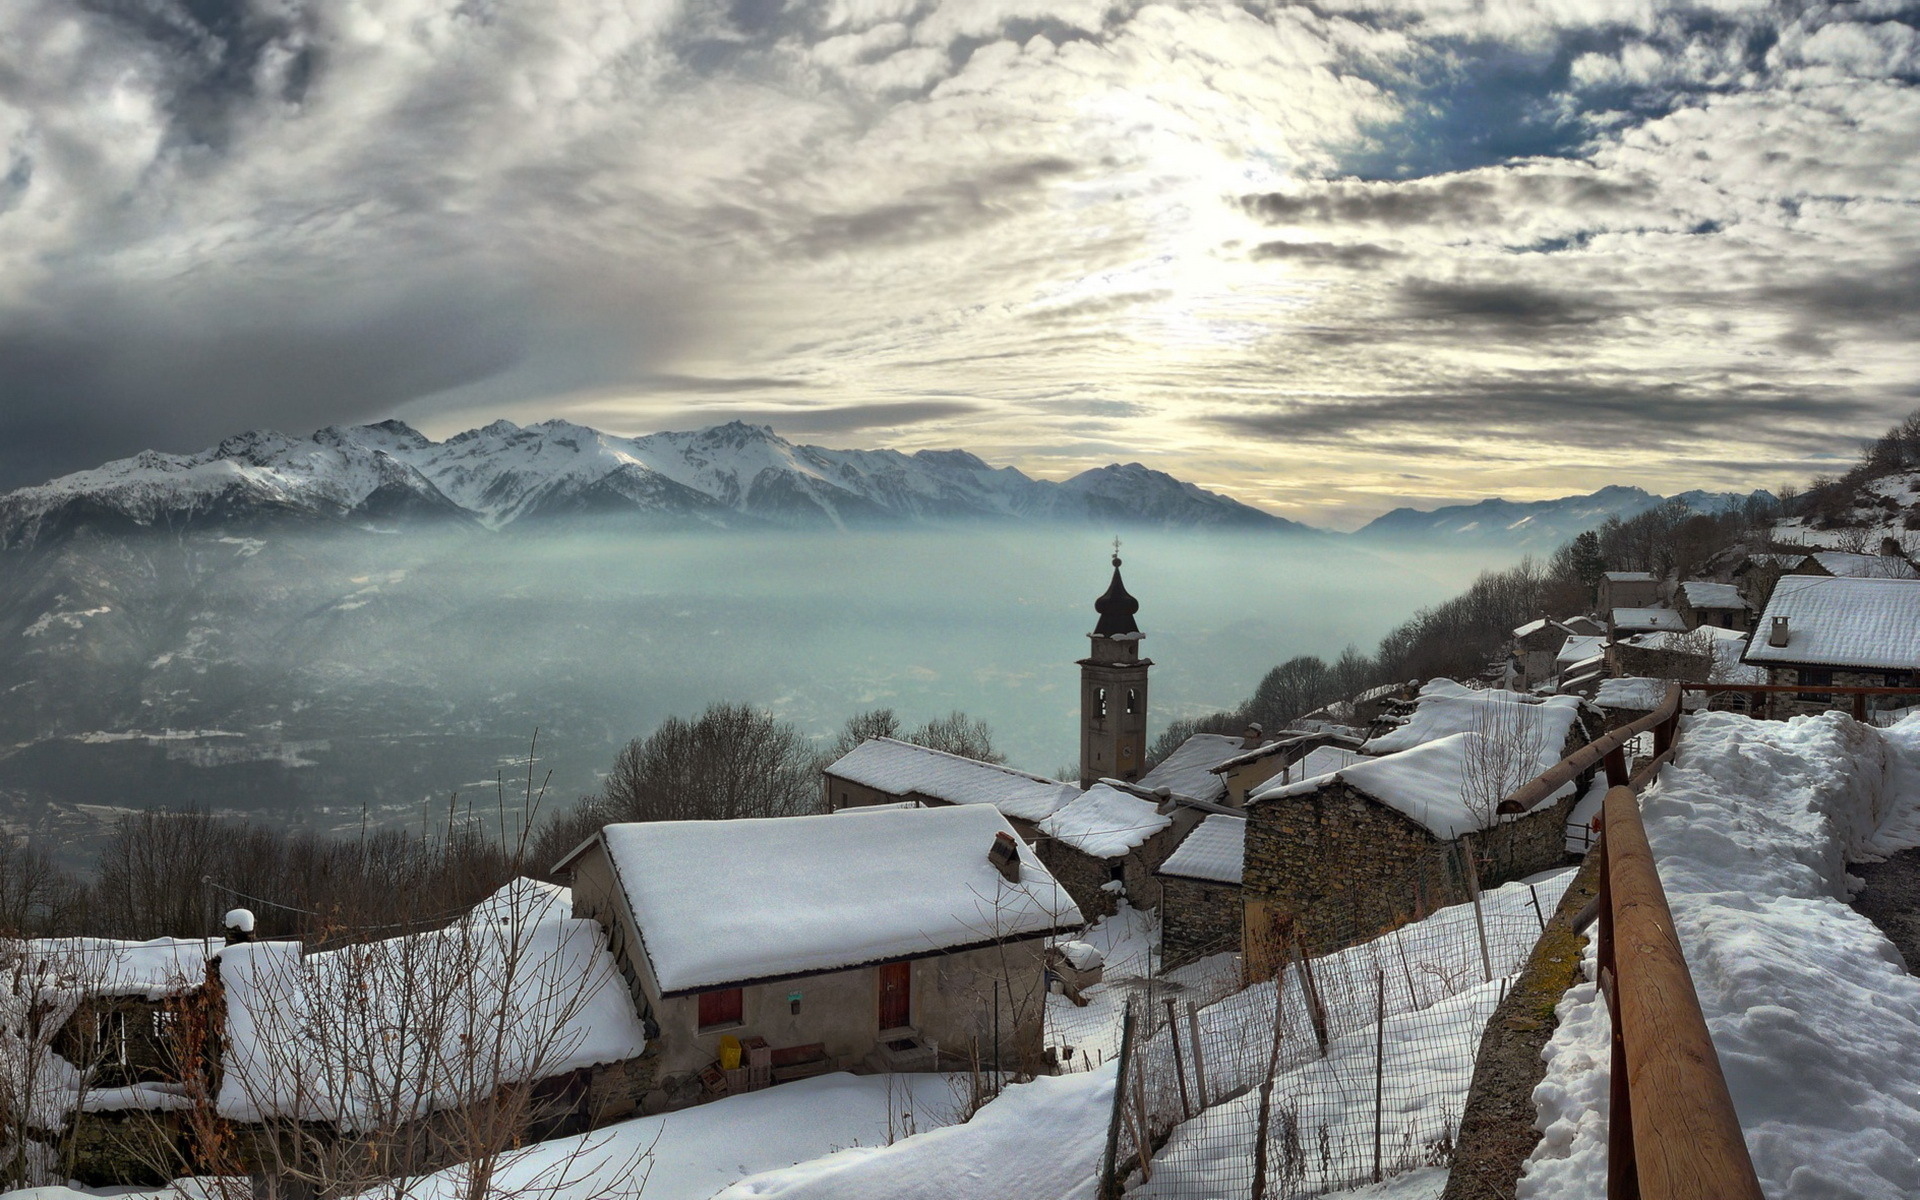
1672, 1132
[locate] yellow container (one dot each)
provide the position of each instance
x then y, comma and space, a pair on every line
729, 1053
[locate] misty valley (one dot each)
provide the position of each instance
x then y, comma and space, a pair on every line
326, 678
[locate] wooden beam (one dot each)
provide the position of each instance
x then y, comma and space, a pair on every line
1687, 1143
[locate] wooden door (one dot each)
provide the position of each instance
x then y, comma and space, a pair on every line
896, 995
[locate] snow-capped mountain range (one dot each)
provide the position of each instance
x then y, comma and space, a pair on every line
727, 476
503, 475
1537, 524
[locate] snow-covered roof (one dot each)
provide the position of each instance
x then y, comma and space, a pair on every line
1530, 628
1427, 784
1872, 624
1635, 693
1579, 625
725, 902
1648, 618
1578, 650
107, 967
1189, 770
1213, 851
1701, 593
1725, 645
899, 768
1630, 576
523, 899
1322, 760
415, 1024
1105, 822
1864, 566
1446, 708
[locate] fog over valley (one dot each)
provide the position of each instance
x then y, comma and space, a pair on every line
305, 676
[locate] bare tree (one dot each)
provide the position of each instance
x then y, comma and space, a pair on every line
1503, 751
876, 722
958, 733
732, 761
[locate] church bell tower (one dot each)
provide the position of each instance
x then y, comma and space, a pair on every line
1113, 690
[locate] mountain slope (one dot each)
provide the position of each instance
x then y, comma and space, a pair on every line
1536, 524
727, 475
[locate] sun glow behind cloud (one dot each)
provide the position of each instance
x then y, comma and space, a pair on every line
1324, 259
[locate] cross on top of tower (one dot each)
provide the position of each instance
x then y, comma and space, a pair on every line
1116, 551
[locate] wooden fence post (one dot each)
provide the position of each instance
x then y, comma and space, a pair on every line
1310, 993
1479, 918
1179, 1067
1199, 1054
1109, 1185
1266, 1084
1379, 1065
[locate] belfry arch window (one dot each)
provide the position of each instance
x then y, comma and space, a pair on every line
1099, 704
1133, 701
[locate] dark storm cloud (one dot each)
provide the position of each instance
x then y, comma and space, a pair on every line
1509, 308
850, 418
717, 386
1563, 407
938, 211
1352, 254
1475, 199
105, 380
1885, 296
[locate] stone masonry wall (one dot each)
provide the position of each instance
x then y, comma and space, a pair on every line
1338, 867
1197, 918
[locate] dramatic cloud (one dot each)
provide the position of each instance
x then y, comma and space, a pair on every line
1323, 257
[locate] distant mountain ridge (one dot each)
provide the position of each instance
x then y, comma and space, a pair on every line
1537, 524
504, 475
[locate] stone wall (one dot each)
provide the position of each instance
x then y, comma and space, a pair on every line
1661, 664
1197, 918
1083, 875
1337, 867
1793, 704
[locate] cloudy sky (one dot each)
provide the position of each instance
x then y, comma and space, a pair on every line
1323, 257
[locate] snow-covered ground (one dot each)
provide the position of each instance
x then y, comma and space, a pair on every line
1042, 1140
1816, 1020
1437, 1000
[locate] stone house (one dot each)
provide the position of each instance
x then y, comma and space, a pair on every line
887, 939
1718, 605
1342, 858
1109, 843
1192, 770
1837, 564
1824, 631
1200, 905
1625, 622
1585, 626
1628, 589
1535, 648
1244, 773
388, 1041
889, 771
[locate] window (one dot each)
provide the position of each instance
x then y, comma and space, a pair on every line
1809, 676
1133, 701
719, 1008
1099, 704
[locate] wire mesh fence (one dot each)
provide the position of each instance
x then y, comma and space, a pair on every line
1340, 1070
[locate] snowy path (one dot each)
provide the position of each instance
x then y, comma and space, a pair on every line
1816, 1021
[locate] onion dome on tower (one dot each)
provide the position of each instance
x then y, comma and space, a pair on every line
1116, 608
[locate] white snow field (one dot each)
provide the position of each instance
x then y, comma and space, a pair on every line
1038, 1141
1816, 1020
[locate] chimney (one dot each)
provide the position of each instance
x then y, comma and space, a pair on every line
1004, 854
1250, 738
1777, 636
1164, 798
239, 925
